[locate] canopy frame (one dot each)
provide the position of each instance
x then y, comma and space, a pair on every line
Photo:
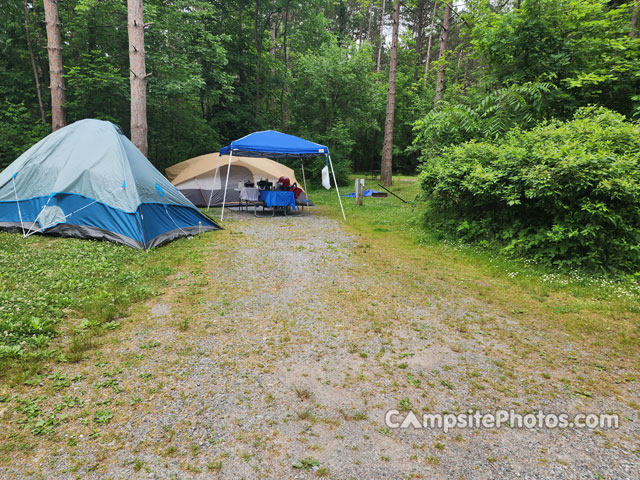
276, 145
265, 154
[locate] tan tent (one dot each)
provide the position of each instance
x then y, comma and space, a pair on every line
201, 179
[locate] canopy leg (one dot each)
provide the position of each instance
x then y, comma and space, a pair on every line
226, 184
336, 184
215, 177
304, 180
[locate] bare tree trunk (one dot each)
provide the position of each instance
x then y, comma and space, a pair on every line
634, 19
381, 36
428, 58
387, 148
56, 72
370, 16
43, 115
258, 42
444, 37
272, 51
283, 90
137, 76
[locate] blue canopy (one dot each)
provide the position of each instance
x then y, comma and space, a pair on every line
272, 144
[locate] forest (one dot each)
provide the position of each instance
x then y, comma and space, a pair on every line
472, 73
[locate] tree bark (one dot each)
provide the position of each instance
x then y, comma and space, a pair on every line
258, 42
56, 72
634, 19
387, 149
283, 90
370, 16
428, 57
43, 115
419, 33
272, 51
381, 36
444, 37
137, 75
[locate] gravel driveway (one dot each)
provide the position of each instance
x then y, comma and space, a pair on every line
280, 357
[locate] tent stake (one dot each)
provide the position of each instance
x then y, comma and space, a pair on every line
337, 191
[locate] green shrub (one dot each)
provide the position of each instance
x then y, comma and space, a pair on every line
564, 193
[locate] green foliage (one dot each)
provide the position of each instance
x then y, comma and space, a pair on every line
565, 193
306, 464
220, 70
19, 130
41, 279
484, 116
336, 101
582, 46
97, 89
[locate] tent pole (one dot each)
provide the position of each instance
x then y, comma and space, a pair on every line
213, 184
304, 180
226, 184
336, 184
201, 192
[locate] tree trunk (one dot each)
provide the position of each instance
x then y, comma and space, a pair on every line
634, 19
381, 36
43, 115
419, 34
56, 72
283, 90
258, 41
272, 51
137, 75
387, 149
428, 58
444, 37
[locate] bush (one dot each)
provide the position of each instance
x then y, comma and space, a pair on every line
565, 193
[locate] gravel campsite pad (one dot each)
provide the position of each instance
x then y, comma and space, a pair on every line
278, 357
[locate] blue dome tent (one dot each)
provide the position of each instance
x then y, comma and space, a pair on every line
276, 145
88, 180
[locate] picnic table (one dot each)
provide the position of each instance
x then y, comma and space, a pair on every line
273, 199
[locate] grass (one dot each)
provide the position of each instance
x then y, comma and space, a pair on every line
77, 288
600, 311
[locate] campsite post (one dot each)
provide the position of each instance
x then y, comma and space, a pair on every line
359, 191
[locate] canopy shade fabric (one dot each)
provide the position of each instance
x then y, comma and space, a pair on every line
88, 180
272, 144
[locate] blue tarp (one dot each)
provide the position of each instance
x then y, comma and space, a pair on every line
366, 193
272, 144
